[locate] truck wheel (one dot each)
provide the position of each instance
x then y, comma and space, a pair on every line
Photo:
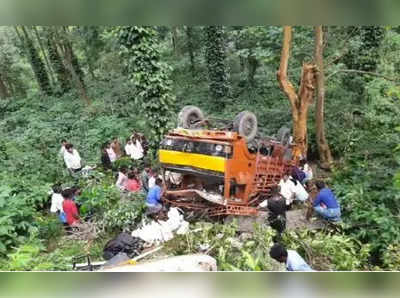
283, 135
189, 115
245, 124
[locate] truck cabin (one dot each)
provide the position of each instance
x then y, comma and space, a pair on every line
216, 163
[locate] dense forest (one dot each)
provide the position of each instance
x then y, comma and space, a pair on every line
90, 84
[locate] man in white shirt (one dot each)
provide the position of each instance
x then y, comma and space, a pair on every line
292, 260
56, 199
72, 159
134, 149
152, 178
288, 189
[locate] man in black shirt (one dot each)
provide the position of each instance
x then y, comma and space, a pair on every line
276, 205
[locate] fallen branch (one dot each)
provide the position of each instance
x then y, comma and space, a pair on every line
363, 72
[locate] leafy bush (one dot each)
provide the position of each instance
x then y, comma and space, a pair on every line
391, 257
16, 219
232, 253
125, 214
328, 251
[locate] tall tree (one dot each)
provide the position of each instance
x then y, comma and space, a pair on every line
92, 46
71, 54
324, 151
63, 75
36, 62
190, 47
141, 54
71, 62
301, 100
217, 69
3, 89
44, 54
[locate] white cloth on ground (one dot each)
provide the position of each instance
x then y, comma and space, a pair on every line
161, 231
72, 160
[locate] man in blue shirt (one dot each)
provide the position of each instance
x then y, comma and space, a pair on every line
292, 260
153, 200
325, 203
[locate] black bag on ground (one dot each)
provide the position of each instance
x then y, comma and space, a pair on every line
125, 243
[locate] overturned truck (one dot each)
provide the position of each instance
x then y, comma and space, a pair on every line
225, 170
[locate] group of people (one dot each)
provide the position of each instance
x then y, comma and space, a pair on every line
63, 203
136, 147
148, 182
293, 187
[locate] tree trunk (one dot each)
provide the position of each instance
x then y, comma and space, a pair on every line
61, 71
324, 151
300, 101
3, 89
189, 33
253, 64
175, 39
75, 76
46, 59
37, 64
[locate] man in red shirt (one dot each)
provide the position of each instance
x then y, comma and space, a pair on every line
70, 209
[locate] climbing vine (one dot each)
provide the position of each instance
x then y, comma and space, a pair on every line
150, 77
217, 70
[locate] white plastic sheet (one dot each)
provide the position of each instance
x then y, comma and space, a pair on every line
162, 231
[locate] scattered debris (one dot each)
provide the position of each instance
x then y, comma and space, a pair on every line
123, 243
186, 263
160, 231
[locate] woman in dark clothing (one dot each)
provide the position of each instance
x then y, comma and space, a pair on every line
105, 159
277, 210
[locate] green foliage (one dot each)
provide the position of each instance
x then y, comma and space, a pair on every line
217, 71
56, 60
16, 219
125, 215
132, 88
325, 251
391, 257
231, 253
150, 77
97, 199
37, 64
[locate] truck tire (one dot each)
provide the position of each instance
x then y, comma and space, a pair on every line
245, 124
283, 135
189, 115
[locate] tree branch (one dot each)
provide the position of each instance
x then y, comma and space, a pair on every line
364, 72
283, 80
